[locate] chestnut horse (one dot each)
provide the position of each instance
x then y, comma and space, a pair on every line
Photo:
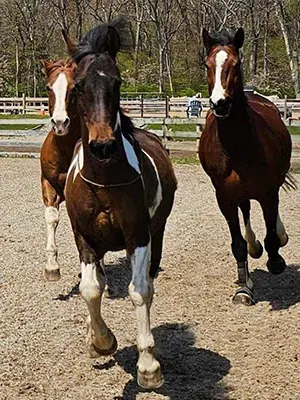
57, 150
245, 148
119, 194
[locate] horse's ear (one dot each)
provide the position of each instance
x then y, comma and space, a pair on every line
239, 37
71, 44
45, 66
113, 41
206, 40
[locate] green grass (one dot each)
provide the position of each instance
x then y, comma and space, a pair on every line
16, 127
25, 116
294, 130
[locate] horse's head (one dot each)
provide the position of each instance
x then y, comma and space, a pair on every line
60, 85
98, 88
223, 65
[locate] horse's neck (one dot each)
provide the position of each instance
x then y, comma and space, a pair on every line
236, 131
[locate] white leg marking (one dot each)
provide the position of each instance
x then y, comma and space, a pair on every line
141, 292
253, 244
280, 230
158, 196
52, 218
60, 91
218, 92
91, 288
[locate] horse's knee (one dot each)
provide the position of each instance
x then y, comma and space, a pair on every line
51, 215
92, 285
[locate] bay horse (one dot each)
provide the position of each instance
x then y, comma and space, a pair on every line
57, 150
245, 149
119, 193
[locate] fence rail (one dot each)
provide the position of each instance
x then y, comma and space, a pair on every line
140, 106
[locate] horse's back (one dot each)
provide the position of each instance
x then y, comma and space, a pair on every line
270, 129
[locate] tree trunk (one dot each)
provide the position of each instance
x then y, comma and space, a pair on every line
161, 69
169, 72
292, 55
265, 48
17, 70
139, 18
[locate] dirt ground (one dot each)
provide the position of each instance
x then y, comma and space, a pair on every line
208, 348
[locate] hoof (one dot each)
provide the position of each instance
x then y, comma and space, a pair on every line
52, 275
284, 240
150, 380
244, 296
257, 251
277, 266
95, 351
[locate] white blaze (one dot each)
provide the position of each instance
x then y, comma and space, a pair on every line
218, 92
60, 91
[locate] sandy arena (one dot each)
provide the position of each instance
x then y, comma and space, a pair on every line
208, 348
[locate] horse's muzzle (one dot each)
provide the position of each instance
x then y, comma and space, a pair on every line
222, 108
60, 128
103, 150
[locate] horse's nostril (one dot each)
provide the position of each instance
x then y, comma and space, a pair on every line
66, 122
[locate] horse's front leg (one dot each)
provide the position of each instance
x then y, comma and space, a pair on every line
244, 295
100, 340
51, 201
141, 292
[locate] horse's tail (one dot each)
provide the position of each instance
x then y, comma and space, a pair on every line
290, 182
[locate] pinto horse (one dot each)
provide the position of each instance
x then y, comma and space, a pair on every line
119, 193
57, 150
245, 148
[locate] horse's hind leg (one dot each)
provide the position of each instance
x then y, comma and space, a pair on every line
51, 201
156, 251
255, 248
244, 294
100, 340
273, 241
280, 229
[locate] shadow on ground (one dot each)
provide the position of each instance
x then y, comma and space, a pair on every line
281, 291
73, 292
118, 278
190, 372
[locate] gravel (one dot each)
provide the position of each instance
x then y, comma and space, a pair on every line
208, 348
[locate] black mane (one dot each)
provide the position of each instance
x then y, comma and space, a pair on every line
223, 38
95, 41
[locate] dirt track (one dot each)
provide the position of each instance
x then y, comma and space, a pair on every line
209, 349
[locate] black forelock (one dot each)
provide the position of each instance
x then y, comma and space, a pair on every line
224, 37
95, 41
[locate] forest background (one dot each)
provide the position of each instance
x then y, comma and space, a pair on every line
167, 54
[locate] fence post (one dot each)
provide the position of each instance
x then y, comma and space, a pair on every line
23, 103
285, 107
167, 106
142, 105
